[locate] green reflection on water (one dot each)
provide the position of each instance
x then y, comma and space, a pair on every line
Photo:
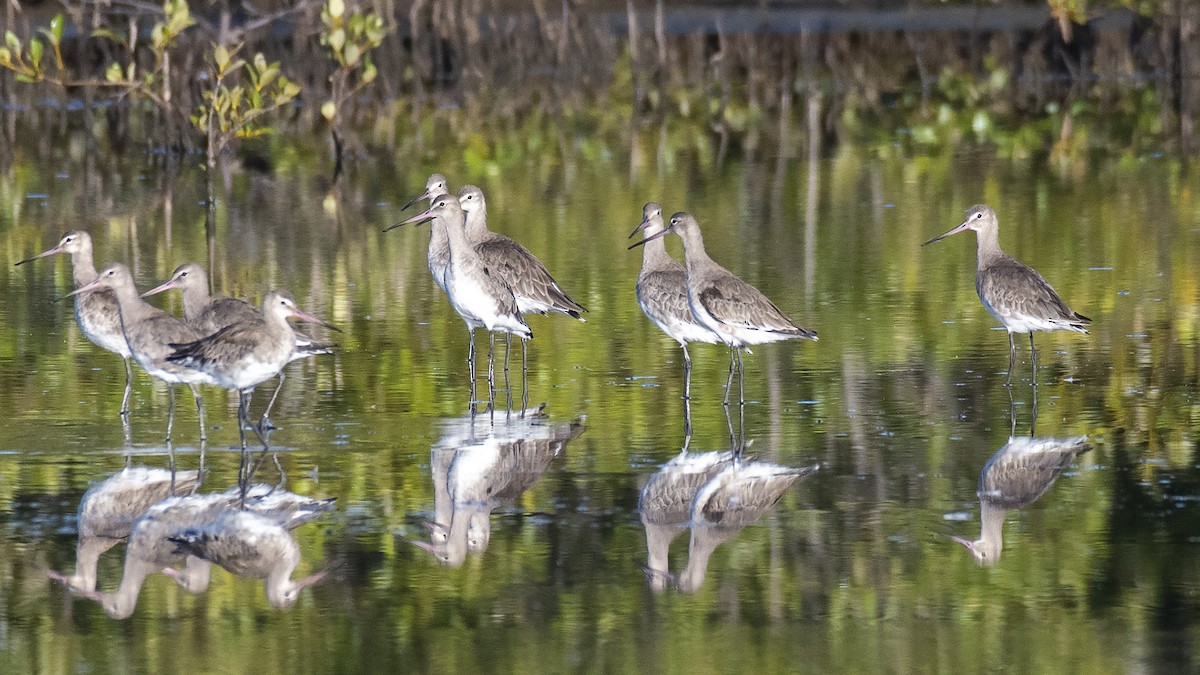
901, 402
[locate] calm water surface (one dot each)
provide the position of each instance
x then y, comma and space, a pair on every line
902, 402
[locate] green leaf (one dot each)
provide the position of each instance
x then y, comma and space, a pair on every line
369, 73
5, 57
337, 39
56, 28
221, 58
336, 8
12, 42
35, 52
112, 35
131, 71
328, 110
260, 62
113, 74
352, 54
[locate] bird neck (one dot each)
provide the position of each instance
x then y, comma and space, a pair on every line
83, 268
120, 603
700, 549
87, 557
195, 300
991, 530
694, 255
279, 582
655, 255
133, 308
476, 224
988, 246
461, 251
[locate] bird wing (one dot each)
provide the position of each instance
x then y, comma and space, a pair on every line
230, 344
1014, 289
1024, 469
733, 301
665, 293
525, 274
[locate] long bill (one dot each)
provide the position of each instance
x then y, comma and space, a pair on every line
43, 254
420, 218
165, 286
656, 235
414, 200
641, 226
304, 316
956, 230
90, 286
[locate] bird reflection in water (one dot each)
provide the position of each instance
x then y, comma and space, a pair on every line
715, 495
1020, 472
479, 465
161, 535
108, 511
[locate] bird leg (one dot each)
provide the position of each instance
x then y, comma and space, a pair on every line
170, 409
265, 422
729, 381
491, 369
471, 364
128, 388
524, 376
687, 422
1012, 359
1033, 360
199, 410
243, 417
687, 374
507, 385
741, 380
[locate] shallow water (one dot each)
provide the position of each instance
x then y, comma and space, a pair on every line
901, 402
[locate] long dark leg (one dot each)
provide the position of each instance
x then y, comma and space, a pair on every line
1033, 358
524, 376
1033, 419
243, 416
265, 422
170, 410
687, 422
491, 370
1012, 359
128, 387
199, 410
741, 380
687, 374
729, 380
507, 385
471, 364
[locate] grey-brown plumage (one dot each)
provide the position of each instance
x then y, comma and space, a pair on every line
210, 313
492, 465
108, 511
662, 292
96, 311
249, 352
250, 545
149, 331
1018, 474
727, 503
665, 505
1014, 293
738, 313
530, 281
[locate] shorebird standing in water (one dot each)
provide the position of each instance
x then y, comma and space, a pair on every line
480, 296
662, 292
736, 311
96, 311
1020, 299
